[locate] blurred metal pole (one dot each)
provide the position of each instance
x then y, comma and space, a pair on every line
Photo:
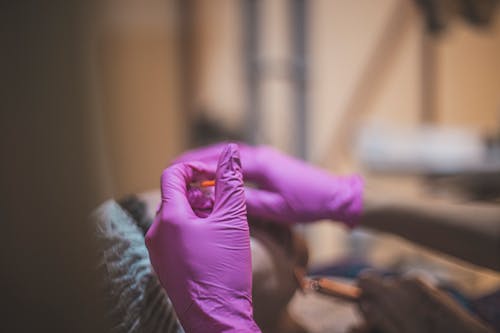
185, 34
428, 77
250, 10
299, 53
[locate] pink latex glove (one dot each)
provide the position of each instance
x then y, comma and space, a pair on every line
290, 190
204, 263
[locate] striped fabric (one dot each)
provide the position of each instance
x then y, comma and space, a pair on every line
135, 299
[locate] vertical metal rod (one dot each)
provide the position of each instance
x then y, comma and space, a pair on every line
251, 51
299, 53
428, 78
185, 73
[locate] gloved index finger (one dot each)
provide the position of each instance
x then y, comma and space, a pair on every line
174, 181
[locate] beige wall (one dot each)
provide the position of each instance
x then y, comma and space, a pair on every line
365, 66
217, 62
345, 43
469, 78
140, 84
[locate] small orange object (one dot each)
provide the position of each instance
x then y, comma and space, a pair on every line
327, 287
336, 289
207, 183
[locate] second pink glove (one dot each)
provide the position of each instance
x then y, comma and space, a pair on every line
290, 190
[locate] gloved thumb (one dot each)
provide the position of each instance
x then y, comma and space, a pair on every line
229, 190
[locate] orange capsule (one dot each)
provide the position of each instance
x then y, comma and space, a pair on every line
207, 183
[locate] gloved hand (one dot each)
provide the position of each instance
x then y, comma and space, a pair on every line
204, 263
289, 190
408, 305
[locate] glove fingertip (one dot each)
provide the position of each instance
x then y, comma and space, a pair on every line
229, 159
229, 178
229, 171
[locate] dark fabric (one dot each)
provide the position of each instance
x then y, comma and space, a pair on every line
137, 209
488, 309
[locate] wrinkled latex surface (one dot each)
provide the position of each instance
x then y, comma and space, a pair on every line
287, 189
203, 259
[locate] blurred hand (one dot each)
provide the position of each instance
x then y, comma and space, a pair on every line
204, 263
408, 305
289, 190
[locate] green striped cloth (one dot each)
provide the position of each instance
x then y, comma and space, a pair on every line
135, 300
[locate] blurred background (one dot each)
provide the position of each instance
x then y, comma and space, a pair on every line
102, 95
388, 88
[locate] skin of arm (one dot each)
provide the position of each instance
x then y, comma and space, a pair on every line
469, 231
